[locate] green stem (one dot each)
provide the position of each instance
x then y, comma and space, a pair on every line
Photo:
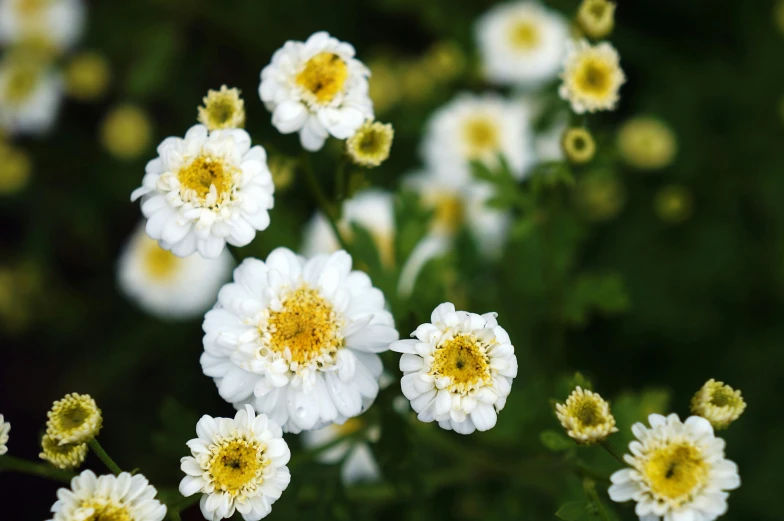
109, 462
610, 448
327, 208
12, 464
340, 181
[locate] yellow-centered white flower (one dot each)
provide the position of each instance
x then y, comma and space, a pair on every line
30, 94
5, 428
592, 76
57, 23
359, 465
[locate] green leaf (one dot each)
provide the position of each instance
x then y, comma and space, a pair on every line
555, 441
572, 511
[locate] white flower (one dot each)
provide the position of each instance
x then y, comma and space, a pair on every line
521, 43
168, 286
359, 465
5, 428
298, 338
478, 128
58, 23
122, 497
458, 370
205, 190
238, 464
592, 77
30, 94
678, 471
316, 88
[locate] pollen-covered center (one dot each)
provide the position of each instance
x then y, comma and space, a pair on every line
481, 136
349, 427
221, 110
159, 264
524, 35
675, 471
594, 77
72, 416
463, 359
723, 398
588, 411
21, 83
324, 76
199, 176
237, 464
105, 511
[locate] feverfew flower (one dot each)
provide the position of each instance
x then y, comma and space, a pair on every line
74, 419
458, 370
718, 403
678, 471
298, 339
586, 416
126, 131
578, 145
592, 77
87, 76
168, 286
596, 18
57, 23
124, 497
370, 145
237, 464
359, 465
521, 43
222, 109
30, 94
67, 456
647, 143
316, 88
205, 190
5, 428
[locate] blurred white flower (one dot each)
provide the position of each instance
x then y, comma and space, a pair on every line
592, 77
5, 428
30, 94
55, 23
359, 465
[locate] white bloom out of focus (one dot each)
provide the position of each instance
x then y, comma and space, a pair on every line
205, 190
168, 286
30, 94
316, 88
298, 339
458, 370
5, 428
56, 23
592, 77
359, 465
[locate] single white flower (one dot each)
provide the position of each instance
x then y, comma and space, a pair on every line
237, 464
316, 88
458, 370
521, 43
592, 77
168, 286
678, 471
359, 465
5, 428
123, 497
298, 339
205, 190
30, 94
58, 23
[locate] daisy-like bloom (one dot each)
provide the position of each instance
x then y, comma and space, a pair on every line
673, 204
647, 143
5, 428
359, 465
126, 131
578, 145
478, 128
599, 197
67, 456
74, 419
15, 168
458, 370
298, 339
168, 286
56, 23
222, 108
592, 77
586, 416
237, 464
87, 76
316, 88
30, 94
111, 498
521, 43
596, 18
370, 145
205, 190
718, 403
678, 471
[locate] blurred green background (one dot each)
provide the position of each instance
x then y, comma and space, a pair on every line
646, 309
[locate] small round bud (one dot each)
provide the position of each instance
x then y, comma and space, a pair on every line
586, 417
718, 403
87, 76
74, 419
578, 145
370, 145
673, 204
647, 143
126, 131
66, 456
596, 18
222, 108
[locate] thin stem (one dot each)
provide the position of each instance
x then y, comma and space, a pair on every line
109, 462
12, 464
340, 180
609, 447
327, 208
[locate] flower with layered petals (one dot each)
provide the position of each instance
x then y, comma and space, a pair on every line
592, 77
718, 403
74, 419
586, 416
359, 465
55, 23
30, 94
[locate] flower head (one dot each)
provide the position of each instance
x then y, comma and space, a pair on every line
5, 428
111, 498
58, 23
578, 145
359, 465
205, 190
596, 18
592, 77
222, 109
238, 464
673, 204
126, 131
678, 471
586, 416
647, 143
15, 168
599, 197
370, 145
74, 419
67, 456
718, 403
30, 94
87, 76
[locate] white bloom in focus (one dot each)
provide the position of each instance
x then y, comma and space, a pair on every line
359, 465
123, 497
58, 23
205, 190
30, 94
678, 471
592, 77
237, 464
521, 43
168, 286
298, 339
316, 88
458, 370
5, 428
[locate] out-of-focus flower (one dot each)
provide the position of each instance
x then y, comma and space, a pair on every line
458, 370
718, 403
126, 131
416, 82
5, 428
596, 18
678, 471
578, 145
383, 88
592, 77
30, 94
116, 498
282, 169
316, 88
205, 190
673, 204
20, 294
87, 76
222, 108
521, 43
586, 416
306, 353
57, 23
359, 465
599, 197
371, 144
445, 61
647, 143
778, 15
239, 464
15, 168
74, 419
168, 286
65, 456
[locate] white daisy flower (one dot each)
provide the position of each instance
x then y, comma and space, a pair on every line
30, 95
237, 464
316, 88
123, 497
58, 23
5, 428
297, 338
521, 43
168, 286
592, 77
205, 190
678, 471
458, 370
359, 465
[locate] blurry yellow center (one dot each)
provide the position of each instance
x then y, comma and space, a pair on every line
30, 7
21, 83
106, 511
524, 35
160, 264
594, 77
235, 464
675, 470
449, 213
463, 360
324, 76
351, 426
201, 174
481, 136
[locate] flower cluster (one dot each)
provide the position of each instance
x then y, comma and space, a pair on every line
73, 422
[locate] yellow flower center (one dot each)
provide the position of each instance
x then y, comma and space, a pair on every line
464, 361
30, 7
449, 213
724, 398
351, 426
21, 83
587, 411
594, 77
481, 137
675, 471
237, 464
106, 512
524, 35
72, 416
160, 264
200, 175
324, 76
